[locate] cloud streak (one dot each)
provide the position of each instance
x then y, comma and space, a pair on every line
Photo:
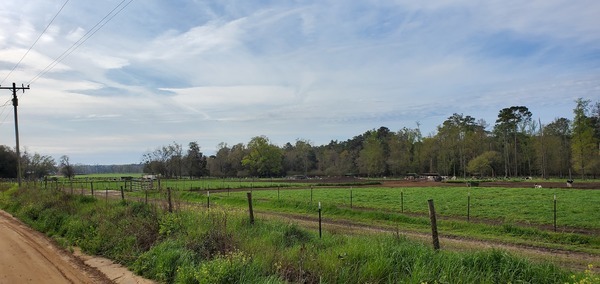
225, 71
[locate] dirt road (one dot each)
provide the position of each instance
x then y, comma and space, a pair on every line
27, 256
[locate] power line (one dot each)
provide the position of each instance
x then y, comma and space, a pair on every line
4, 118
4, 107
38, 38
83, 39
120, 7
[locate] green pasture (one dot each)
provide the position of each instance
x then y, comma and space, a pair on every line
574, 208
115, 183
498, 214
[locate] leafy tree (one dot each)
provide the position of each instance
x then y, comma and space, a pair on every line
529, 130
195, 161
371, 159
507, 125
326, 158
429, 154
228, 161
299, 158
236, 155
8, 162
584, 144
38, 166
455, 145
401, 155
263, 159
337, 158
485, 164
66, 169
217, 163
557, 136
175, 163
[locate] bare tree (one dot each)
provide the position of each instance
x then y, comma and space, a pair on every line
66, 169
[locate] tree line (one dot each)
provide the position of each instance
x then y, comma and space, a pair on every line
516, 146
37, 166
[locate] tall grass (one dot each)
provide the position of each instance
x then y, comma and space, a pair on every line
216, 246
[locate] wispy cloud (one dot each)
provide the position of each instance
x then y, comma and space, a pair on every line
225, 71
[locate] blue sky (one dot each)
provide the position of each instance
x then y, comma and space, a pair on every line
225, 71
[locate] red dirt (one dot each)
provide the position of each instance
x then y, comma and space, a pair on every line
30, 257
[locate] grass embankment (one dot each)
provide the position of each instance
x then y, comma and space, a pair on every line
214, 246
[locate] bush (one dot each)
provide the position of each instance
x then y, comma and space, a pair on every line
163, 261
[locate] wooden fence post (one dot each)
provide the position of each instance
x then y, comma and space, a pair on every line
169, 199
320, 220
469, 207
249, 194
555, 212
434, 232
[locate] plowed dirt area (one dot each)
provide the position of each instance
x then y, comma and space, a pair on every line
27, 256
511, 184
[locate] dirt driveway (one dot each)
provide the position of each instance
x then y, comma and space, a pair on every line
27, 256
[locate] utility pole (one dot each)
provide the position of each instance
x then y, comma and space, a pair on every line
15, 102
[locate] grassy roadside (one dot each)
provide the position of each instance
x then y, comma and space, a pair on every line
221, 246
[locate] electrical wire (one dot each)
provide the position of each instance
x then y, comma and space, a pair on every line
31, 47
4, 107
67, 52
82, 40
4, 119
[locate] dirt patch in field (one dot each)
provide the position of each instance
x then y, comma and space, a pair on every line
511, 184
427, 183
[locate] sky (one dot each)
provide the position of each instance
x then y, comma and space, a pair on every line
163, 72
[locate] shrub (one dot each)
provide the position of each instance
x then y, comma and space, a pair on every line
163, 261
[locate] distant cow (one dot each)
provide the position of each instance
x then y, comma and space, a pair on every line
537, 185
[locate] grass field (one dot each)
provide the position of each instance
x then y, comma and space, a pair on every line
220, 246
115, 182
575, 208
